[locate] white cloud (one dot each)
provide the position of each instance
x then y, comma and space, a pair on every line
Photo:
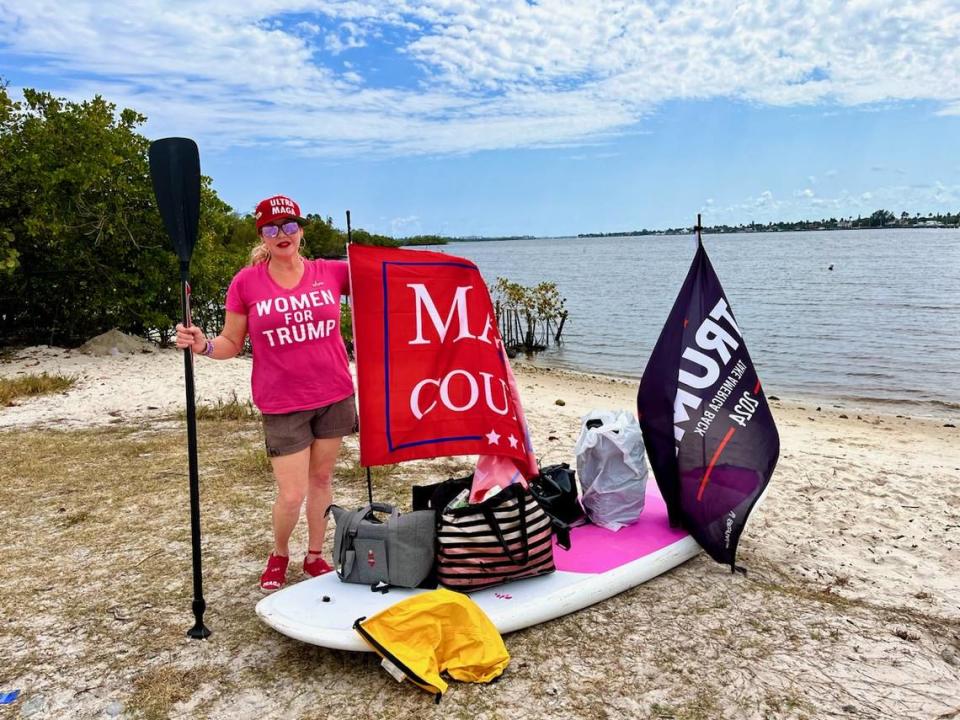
594, 156
309, 28
485, 75
943, 194
764, 199
408, 225
896, 198
347, 37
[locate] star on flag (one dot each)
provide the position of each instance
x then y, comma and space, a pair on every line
493, 438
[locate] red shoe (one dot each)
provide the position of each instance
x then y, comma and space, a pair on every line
275, 576
316, 567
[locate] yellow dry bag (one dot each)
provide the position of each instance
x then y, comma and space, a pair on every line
437, 632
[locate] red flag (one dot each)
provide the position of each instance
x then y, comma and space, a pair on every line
495, 471
432, 372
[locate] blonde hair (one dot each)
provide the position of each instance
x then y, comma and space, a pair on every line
260, 253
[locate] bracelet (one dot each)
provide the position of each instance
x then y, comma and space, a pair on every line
208, 351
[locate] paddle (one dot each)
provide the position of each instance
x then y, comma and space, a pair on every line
175, 169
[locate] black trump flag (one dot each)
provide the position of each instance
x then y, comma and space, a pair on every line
706, 424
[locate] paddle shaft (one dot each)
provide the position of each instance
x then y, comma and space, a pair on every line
369, 477
198, 631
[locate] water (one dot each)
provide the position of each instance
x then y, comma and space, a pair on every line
883, 327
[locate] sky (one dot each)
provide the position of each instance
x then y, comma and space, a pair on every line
527, 117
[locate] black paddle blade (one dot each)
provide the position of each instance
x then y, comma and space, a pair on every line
175, 169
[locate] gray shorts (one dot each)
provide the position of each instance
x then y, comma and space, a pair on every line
288, 433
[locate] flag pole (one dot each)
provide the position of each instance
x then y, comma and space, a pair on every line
369, 478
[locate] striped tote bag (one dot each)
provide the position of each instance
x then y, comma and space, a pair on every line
505, 538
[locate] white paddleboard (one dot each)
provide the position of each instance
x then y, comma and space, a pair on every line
599, 564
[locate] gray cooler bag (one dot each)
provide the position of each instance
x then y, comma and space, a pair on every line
398, 550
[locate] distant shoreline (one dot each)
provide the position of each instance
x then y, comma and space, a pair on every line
747, 230
714, 230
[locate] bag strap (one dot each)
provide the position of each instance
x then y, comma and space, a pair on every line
562, 532
353, 526
345, 533
492, 520
378, 507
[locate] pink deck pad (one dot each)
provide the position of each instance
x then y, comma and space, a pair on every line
594, 549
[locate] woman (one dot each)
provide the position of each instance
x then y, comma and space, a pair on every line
290, 308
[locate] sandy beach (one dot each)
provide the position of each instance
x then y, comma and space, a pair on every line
850, 606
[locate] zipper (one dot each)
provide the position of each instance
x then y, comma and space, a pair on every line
393, 658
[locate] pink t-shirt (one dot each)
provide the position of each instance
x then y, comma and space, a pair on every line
299, 360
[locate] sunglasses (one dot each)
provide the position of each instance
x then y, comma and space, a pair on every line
288, 228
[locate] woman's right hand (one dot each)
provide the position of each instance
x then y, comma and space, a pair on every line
191, 337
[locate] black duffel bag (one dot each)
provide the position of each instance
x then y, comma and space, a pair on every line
555, 488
